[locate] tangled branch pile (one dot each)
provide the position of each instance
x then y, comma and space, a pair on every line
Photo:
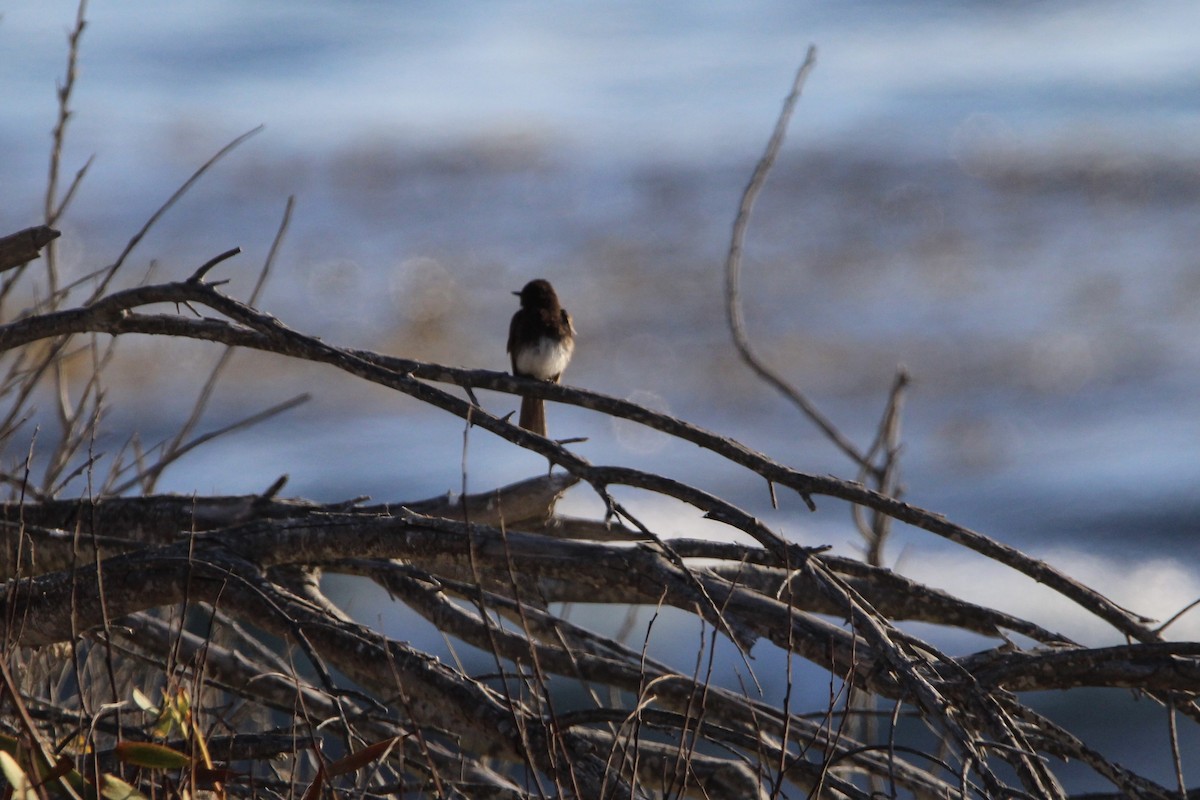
157, 643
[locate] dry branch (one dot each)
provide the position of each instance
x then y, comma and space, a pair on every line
226, 566
252, 329
63, 533
602, 572
24, 246
778, 603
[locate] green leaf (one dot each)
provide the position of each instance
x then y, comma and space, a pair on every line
151, 756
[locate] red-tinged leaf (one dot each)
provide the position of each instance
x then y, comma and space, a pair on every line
314, 790
151, 756
207, 776
361, 758
60, 769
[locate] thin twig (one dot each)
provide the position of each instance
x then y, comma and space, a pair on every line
733, 268
180, 451
133, 242
150, 478
52, 209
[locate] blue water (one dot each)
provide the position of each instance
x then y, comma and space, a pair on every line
1002, 197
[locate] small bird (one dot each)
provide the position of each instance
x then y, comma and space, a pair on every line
541, 340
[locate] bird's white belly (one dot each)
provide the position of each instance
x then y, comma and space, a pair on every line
545, 359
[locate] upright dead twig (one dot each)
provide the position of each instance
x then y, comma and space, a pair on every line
878, 464
53, 208
733, 270
175, 448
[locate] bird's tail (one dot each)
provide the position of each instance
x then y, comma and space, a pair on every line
533, 415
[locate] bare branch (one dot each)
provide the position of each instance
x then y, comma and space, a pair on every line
733, 268
250, 328
111, 271
24, 246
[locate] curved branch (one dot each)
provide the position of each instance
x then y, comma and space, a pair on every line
733, 270
253, 329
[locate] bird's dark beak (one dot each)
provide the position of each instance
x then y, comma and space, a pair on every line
518, 294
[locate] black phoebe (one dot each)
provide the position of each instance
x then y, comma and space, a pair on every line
540, 341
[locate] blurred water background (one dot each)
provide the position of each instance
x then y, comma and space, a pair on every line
1002, 197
